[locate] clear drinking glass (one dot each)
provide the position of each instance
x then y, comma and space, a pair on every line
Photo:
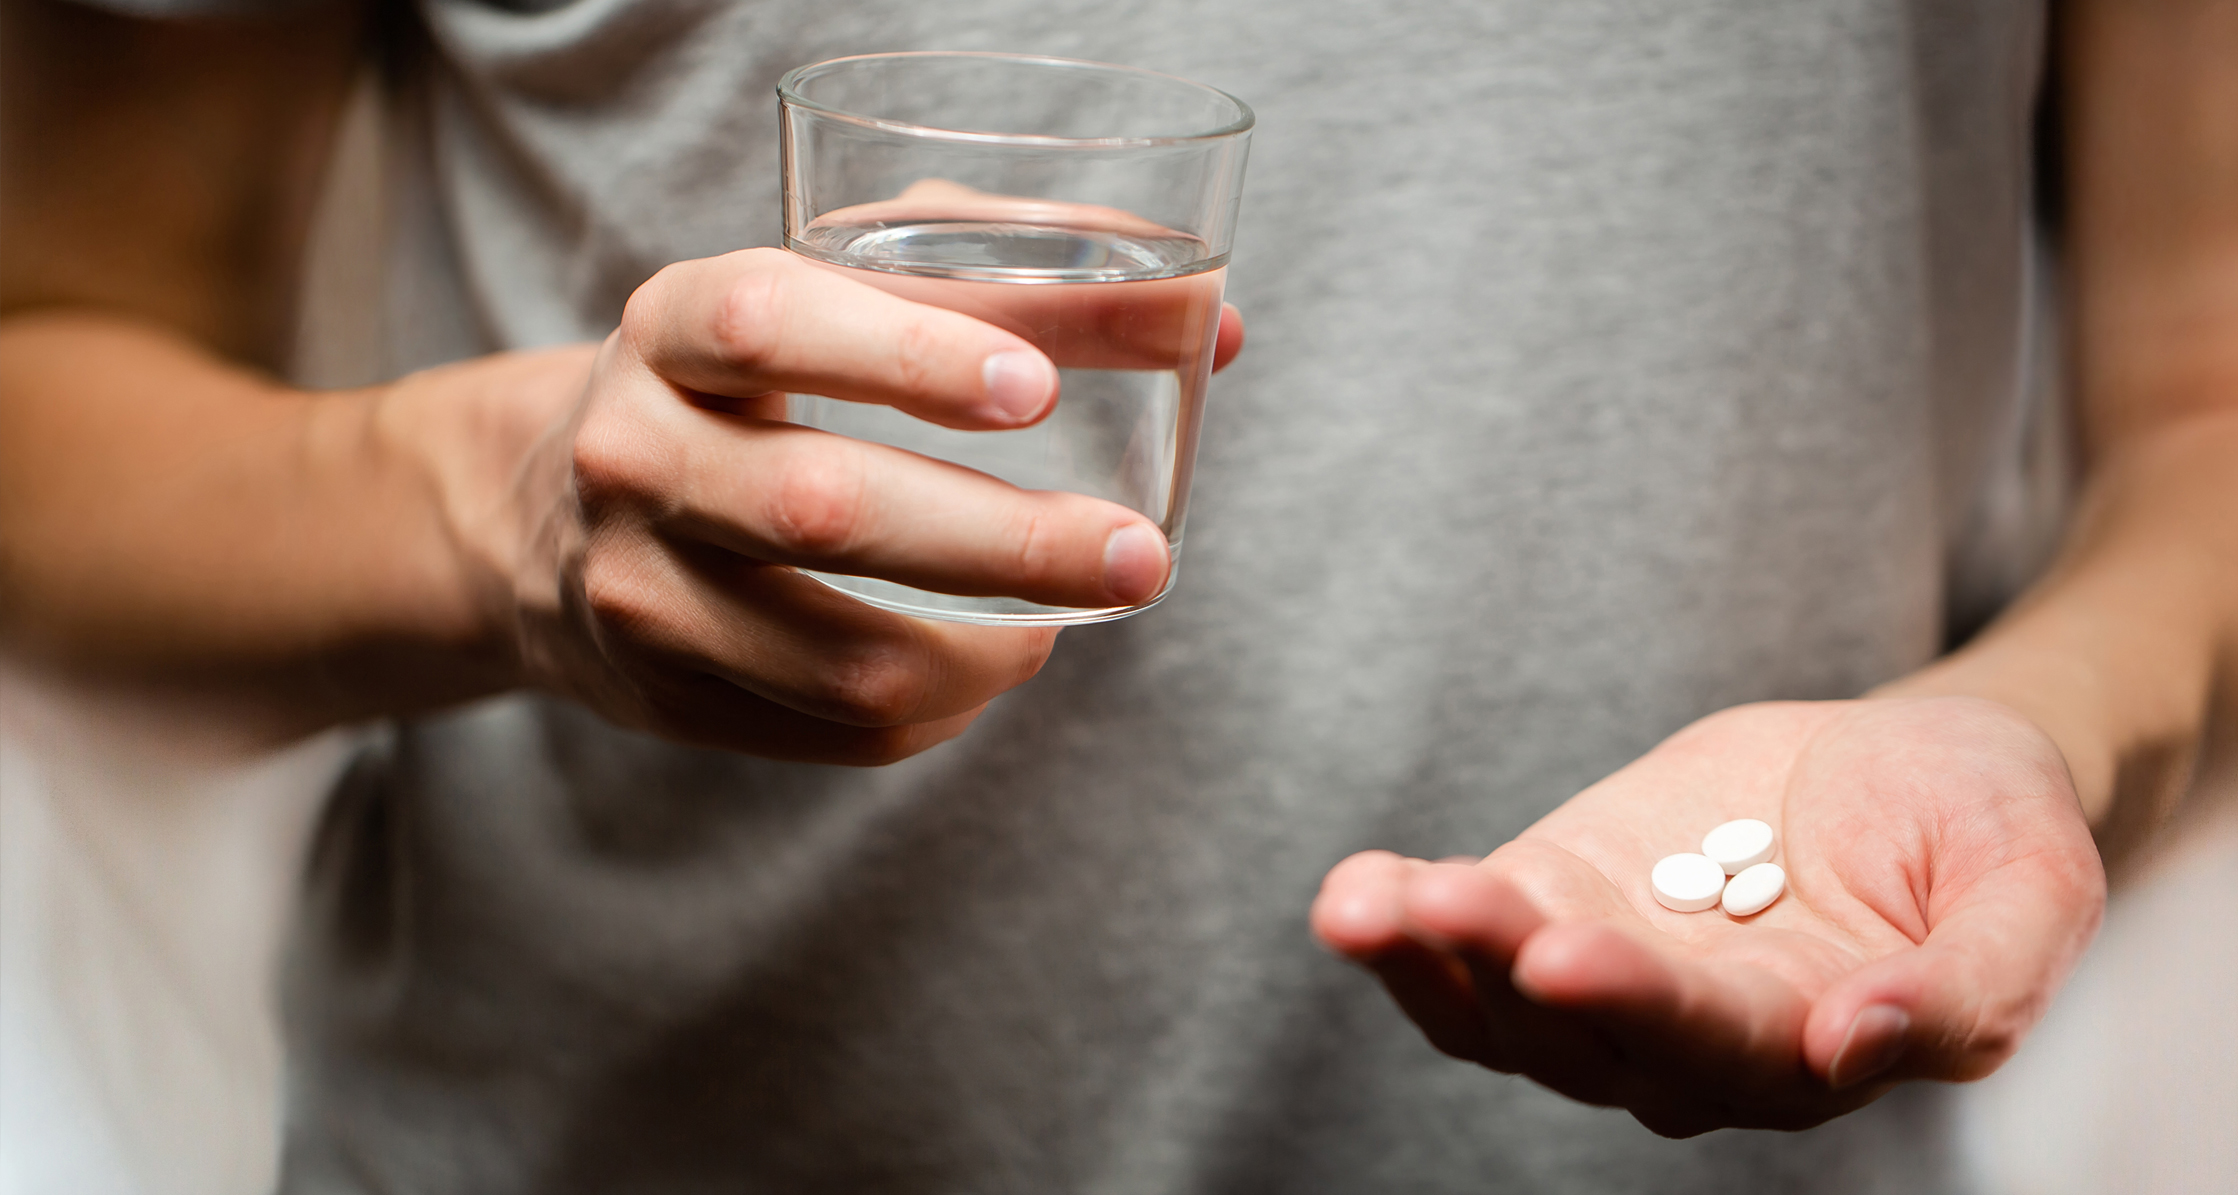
1085, 207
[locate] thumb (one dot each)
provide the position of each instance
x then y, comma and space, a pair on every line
1956, 1006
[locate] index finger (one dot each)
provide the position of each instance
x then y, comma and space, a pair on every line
762, 320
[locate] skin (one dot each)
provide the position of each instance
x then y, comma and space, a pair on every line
1937, 834
1940, 883
615, 523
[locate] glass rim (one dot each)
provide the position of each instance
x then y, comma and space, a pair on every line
788, 94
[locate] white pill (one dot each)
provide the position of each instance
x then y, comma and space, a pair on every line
1738, 846
1687, 883
1754, 890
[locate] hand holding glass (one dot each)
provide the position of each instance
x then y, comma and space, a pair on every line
1087, 209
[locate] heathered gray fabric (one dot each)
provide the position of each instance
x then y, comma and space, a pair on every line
1610, 363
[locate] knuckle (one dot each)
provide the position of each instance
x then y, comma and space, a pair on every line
639, 312
601, 461
1038, 548
609, 462
749, 322
649, 313
818, 500
918, 348
880, 685
619, 596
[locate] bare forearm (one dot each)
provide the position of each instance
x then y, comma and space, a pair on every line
2119, 651
169, 518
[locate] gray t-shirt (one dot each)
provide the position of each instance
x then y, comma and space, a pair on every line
1611, 363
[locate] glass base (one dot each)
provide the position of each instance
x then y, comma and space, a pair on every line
986, 611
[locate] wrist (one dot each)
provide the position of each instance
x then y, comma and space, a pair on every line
2115, 652
2059, 693
484, 444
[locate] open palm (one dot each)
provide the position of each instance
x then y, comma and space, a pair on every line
1941, 881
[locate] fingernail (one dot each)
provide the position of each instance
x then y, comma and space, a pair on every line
1018, 384
1134, 563
1875, 1042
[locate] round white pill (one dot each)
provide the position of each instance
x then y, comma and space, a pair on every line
1738, 846
1754, 890
1687, 883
